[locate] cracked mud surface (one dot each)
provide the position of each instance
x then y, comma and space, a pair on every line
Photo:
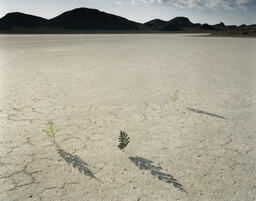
202, 147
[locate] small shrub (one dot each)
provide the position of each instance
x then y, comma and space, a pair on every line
175, 96
123, 139
51, 129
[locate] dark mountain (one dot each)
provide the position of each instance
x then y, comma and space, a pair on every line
21, 20
181, 22
91, 19
207, 27
231, 26
86, 20
77, 20
155, 24
219, 26
178, 23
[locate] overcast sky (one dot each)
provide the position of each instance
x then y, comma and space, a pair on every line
210, 11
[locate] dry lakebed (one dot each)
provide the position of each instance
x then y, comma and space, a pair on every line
201, 147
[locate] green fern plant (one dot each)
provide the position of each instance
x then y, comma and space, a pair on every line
51, 129
123, 140
175, 96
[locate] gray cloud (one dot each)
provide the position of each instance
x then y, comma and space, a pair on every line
245, 4
201, 4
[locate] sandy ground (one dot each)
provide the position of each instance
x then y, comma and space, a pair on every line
201, 147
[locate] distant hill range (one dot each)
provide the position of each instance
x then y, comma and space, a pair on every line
86, 20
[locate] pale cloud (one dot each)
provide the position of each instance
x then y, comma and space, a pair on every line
119, 2
134, 2
201, 4
214, 4
243, 4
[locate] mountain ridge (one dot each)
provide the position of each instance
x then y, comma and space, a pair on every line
83, 20
91, 19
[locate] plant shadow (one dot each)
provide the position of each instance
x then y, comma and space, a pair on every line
206, 113
76, 162
145, 164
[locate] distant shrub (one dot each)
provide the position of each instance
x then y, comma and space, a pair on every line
175, 96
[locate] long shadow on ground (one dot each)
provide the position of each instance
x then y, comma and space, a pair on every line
145, 164
206, 113
76, 162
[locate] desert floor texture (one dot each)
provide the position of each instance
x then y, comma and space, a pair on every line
201, 147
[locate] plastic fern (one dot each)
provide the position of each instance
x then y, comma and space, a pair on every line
175, 96
123, 139
51, 129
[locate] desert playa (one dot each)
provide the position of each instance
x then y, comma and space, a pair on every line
201, 147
